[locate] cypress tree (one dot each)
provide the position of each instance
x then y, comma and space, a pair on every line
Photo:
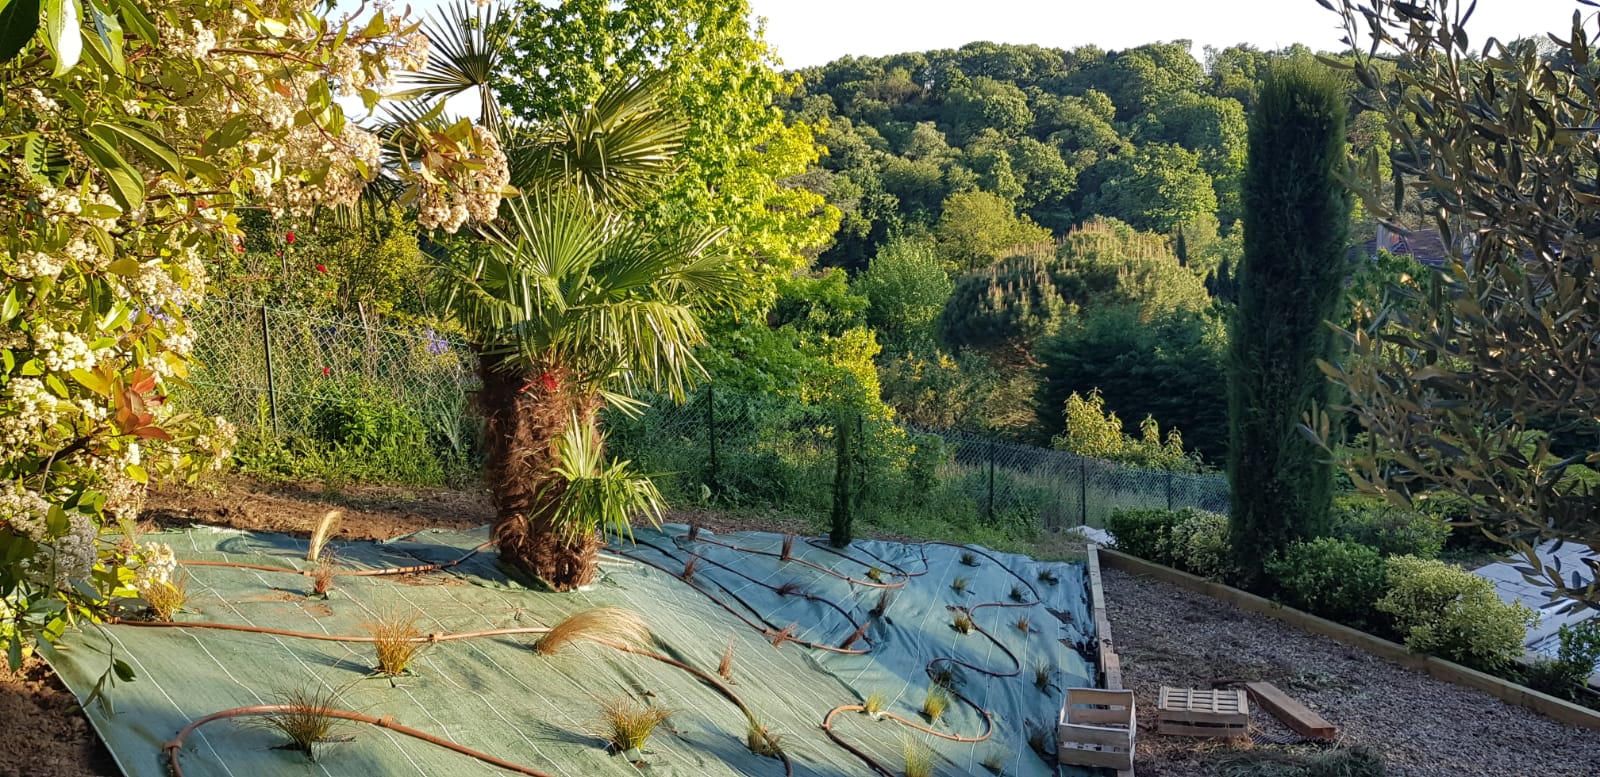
1289, 283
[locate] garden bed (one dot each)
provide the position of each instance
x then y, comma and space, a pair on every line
1419, 725
186, 673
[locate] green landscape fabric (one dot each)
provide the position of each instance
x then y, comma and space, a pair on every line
496, 695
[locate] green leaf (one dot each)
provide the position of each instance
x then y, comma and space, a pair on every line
226, 136
137, 473
63, 34
154, 149
124, 672
14, 651
126, 266
137, 21
19, 20
207, 171
92, 381
127, 186
108, 36
10, 306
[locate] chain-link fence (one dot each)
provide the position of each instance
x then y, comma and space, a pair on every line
331, 378
752, 450
1065, 489
287, 375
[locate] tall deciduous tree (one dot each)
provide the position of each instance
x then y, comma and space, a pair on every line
1290, 283
721, 81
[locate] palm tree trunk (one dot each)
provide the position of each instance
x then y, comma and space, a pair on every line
524, 416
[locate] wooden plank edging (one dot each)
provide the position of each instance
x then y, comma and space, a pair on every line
1110, 667
1509, 692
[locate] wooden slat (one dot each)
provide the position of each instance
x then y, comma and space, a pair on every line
1196, 730
1109, 759
1104, 736
1298, 717
1118, 698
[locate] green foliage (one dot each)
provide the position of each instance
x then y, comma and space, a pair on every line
353, 413
1168, 368
1199, 543
907, 289
1393, 531
1195, 541
1576, 660
593, 495
1157, 188
1454, 410
1094, 432
1011, 305
977, 229
1145, 533
938, 390
1454, 614
1291, 281
721, 80
1337, 579
985, 103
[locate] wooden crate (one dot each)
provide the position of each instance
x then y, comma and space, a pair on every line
1096, 728
1193, 713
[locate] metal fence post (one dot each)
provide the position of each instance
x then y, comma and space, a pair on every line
1169, 489
711, 433
989, 510
272, 383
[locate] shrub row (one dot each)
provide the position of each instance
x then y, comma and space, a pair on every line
1195, 541
1387, 585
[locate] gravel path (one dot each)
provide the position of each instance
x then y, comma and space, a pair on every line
1422, 727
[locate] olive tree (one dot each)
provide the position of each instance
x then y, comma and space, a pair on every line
1482, 391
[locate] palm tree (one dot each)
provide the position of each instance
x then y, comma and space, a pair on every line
572, 305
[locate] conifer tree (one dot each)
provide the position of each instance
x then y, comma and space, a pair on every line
1289, 285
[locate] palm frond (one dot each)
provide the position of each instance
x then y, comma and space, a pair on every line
617, 151
597, 495
466, 47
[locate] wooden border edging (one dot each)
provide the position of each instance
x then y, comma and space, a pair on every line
1451, 672
1110, 667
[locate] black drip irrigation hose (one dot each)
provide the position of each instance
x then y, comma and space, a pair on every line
931, 668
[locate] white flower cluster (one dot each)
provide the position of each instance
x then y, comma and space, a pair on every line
157, 564
38, 264
62, 351
78, 550
203, 42
475, 195
24, 511
31, 408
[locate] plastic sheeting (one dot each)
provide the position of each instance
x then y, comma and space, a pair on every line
495, 695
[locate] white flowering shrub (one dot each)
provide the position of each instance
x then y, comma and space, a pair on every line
130, 132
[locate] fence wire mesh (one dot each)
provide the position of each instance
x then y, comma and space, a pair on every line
284, 374
287, 372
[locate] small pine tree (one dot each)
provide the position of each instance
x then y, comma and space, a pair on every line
844, 480
1289, 285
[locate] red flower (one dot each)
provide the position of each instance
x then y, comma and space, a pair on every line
289, 238
327, 371
238, 245
549, 382
322, 268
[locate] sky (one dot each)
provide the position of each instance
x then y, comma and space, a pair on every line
815, 32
